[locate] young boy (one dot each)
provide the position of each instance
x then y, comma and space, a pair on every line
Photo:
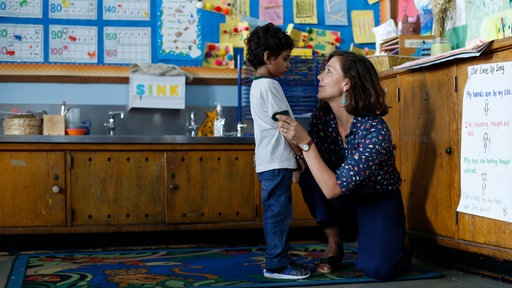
268, 52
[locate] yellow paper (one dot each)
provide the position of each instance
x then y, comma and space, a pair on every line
238, 9
323, 42
304, 12
302, 52
218, 55
219, 6
234, 33
362, 24
497, 26
372, 1
299, 37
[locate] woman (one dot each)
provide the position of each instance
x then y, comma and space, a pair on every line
350, 157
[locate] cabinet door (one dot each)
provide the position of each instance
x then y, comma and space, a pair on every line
28, 198
211, 186
117, 187
390, 85
300, 209
426, 143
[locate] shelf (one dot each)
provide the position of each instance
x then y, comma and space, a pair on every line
80, 73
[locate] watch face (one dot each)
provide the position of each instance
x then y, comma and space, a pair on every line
305, 147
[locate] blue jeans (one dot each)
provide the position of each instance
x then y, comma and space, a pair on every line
381, 251
276, 194
338, 212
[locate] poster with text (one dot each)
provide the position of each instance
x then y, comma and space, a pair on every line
179, 33
486, 142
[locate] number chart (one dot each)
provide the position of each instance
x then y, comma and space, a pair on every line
21, 8
73, 44
104, 32
21, 42
127, 45
73, 9
126, 9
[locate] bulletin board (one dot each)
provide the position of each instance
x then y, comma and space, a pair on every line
117, 33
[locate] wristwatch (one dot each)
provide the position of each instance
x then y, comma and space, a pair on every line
305, 147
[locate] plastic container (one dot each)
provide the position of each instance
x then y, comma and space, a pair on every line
440, 46
218, 125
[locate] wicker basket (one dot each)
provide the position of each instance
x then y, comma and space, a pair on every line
23, 125
387, 62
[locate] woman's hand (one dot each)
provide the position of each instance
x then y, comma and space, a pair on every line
292, 130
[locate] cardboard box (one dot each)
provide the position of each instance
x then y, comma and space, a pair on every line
387, 62
54, 125
405, 45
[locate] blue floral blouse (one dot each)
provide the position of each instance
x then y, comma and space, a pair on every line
366, 164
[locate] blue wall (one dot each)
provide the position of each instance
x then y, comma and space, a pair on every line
117, 94
105, 94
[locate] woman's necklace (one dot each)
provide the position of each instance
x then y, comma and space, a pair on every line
343, 134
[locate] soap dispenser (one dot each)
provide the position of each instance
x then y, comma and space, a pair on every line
218, 126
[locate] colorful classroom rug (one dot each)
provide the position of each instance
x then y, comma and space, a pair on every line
191, 267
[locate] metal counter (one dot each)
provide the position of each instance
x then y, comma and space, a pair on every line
125, 139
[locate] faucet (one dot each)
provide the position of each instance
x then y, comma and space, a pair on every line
192, 126
111, 125
239, 128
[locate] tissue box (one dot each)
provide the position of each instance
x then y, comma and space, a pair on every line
147, 91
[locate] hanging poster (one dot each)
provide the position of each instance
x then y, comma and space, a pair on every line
304, 12
486, 171
271, 11
21, 42
126, 9
335, 12
73, 9
179, 30
362, 25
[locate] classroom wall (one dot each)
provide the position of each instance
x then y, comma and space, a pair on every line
116, 95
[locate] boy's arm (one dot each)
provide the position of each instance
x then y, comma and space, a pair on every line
296, 149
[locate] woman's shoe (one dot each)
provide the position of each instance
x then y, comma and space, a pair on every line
329, 264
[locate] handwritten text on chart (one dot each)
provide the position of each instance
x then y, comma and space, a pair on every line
483, 161
486, 138
498, 68
481, 203
489, 94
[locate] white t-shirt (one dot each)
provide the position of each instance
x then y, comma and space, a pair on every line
272, 149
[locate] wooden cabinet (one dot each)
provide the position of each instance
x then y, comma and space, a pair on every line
390, 85
33, 192
427, 145
211, 186
428, 155
117, 187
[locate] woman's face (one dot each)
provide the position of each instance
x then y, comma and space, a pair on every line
332, 81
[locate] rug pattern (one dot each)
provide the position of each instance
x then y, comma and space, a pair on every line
240, 267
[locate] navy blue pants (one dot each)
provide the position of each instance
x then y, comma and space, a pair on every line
380, 225
276, 196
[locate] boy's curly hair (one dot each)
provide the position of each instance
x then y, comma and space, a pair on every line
267, 38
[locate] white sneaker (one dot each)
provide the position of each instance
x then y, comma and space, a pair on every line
292, 272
